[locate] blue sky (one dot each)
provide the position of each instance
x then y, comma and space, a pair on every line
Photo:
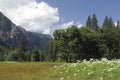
78, 10
45, 16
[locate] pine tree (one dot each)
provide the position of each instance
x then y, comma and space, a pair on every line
108, 22
89, 23
21, 50
94, 22
118, 24
35, 55
105, 23
111, 23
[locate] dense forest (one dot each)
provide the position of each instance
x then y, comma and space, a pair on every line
90, 41
72, 44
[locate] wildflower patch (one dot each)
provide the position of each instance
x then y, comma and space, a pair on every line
88, 70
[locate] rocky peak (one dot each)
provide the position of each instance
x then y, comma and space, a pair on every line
11, 35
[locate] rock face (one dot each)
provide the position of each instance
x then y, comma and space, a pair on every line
11, 34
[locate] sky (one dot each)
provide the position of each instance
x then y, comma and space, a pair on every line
45, 16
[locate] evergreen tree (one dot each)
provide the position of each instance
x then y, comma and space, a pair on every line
105, 23
118, 24
21, 50
89, 23
94, 22
108, 22
111, 23
35, 55
27, 56
53, 50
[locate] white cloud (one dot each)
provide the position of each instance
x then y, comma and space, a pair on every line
80, 25
62, 26
66, 26
30, 15
69, 24
33, 16
115, 23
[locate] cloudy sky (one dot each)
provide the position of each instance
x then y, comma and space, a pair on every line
45, 16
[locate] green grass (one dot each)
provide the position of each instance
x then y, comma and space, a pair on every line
96, 70
87, 70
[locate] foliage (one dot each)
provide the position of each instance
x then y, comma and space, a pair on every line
21, 50
90, 41
35, 55
12, 56
88, 23
87, 42
118, 24
108, 22
4, 49
94, 22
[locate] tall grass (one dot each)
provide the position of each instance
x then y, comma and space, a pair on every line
25, 71
86, 70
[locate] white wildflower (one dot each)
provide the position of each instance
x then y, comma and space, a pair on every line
75, 74
78, 70
78, 61
101, 78
62, 78
68, 77
60, 72
90, 72
74, 64
91, 60
84, 61
110, 69
104, 59
66, 71
55, 66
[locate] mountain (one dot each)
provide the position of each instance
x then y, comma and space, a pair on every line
10, 34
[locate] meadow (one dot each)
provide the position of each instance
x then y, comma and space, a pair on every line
26, 70
85, 70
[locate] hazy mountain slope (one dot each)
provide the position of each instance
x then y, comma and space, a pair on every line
11, 34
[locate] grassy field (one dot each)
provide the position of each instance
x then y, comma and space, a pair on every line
87, 70
26, 71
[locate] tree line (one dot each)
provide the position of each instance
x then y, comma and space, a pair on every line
21, 54
89, 41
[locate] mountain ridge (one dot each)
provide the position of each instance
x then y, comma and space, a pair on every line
11, 34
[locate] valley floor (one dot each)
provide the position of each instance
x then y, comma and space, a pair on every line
87, 70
